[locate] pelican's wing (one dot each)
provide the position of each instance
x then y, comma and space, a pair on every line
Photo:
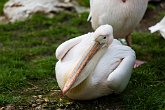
90, 13
62, 50
119, 78
66, 46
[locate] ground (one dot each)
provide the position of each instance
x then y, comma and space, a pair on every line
27, 60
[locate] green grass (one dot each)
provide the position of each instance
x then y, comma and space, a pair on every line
27, 65
84, 2
2, 2
27, 53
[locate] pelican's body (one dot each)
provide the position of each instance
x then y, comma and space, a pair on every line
159, 27
108, 71
123, 15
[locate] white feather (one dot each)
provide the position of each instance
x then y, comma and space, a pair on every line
160, 26
123, 16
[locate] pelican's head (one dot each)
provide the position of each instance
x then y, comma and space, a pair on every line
103, 37
104, 34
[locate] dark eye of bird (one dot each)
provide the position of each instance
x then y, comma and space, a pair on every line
104, 37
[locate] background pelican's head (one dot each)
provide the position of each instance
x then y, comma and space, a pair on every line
104, 34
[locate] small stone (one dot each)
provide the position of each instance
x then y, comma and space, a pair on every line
39, 96
46, 100
40, 101
10, 107
38, 107
35, 97
21, 108
69, 103
60, 100
66, 1
55, 90
53, 102
2, 108
34, 105
44, 105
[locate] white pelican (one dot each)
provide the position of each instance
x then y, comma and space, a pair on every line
123, 15
159, 27
93, 65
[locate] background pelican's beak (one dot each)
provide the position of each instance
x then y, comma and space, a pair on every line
80, 66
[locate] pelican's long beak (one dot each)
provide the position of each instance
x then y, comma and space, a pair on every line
80, 66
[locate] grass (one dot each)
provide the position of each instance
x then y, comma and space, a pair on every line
2, 2
27, 65
27, 50
84, 2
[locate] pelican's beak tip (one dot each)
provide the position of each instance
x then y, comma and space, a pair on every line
62, 93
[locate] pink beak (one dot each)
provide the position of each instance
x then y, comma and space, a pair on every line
80, 66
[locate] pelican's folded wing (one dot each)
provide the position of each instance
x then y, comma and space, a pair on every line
62, 50
119, 78
66, 46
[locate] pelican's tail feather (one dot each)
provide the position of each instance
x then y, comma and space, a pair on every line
158, 26
162, 32
155, 28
